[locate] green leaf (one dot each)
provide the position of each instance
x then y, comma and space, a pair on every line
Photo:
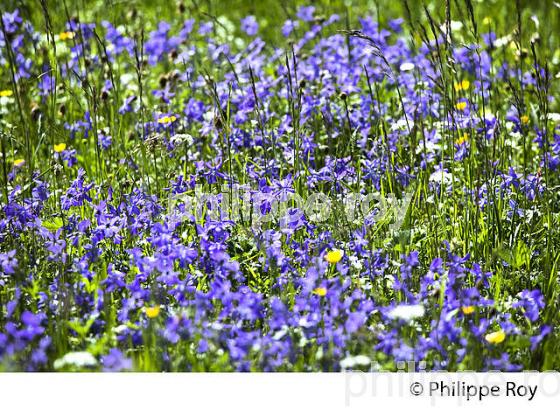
53, 224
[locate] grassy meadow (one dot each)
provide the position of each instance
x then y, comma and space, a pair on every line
279, 186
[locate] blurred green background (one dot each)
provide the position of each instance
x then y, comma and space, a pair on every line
272, 13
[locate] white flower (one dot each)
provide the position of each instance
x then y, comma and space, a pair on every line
355, 262
441, 177
407, 312
127, 79
502, 41
352, 361
209, 116
182, 138
456, 25
76, 359
400, 124
281, 333
431, 146
408, 66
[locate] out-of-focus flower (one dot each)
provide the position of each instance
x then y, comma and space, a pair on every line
8, 262
288, 27
532, 302
406, 312
305, 13
67, 35
495, 337
352, 361
463, 139
167, 119
320, 291
334, 256
467, 310
463, 85
152, 311
115, 361
249, 25
76, 359
58, 148
408, 66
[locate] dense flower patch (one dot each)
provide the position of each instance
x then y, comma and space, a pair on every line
108, 130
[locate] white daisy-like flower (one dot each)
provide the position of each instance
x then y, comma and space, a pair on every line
407, 312
76, 359
408, 66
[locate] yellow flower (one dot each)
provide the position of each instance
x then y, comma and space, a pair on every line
463, 85
167, 119
59, 147
19, 162
334, 256
152, 312
495, 337
524, 119
6, 93
320, 291
463, 139
67, 35
467, 310
461, 105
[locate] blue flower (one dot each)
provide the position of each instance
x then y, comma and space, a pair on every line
249, 25
305, 13
115, 361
